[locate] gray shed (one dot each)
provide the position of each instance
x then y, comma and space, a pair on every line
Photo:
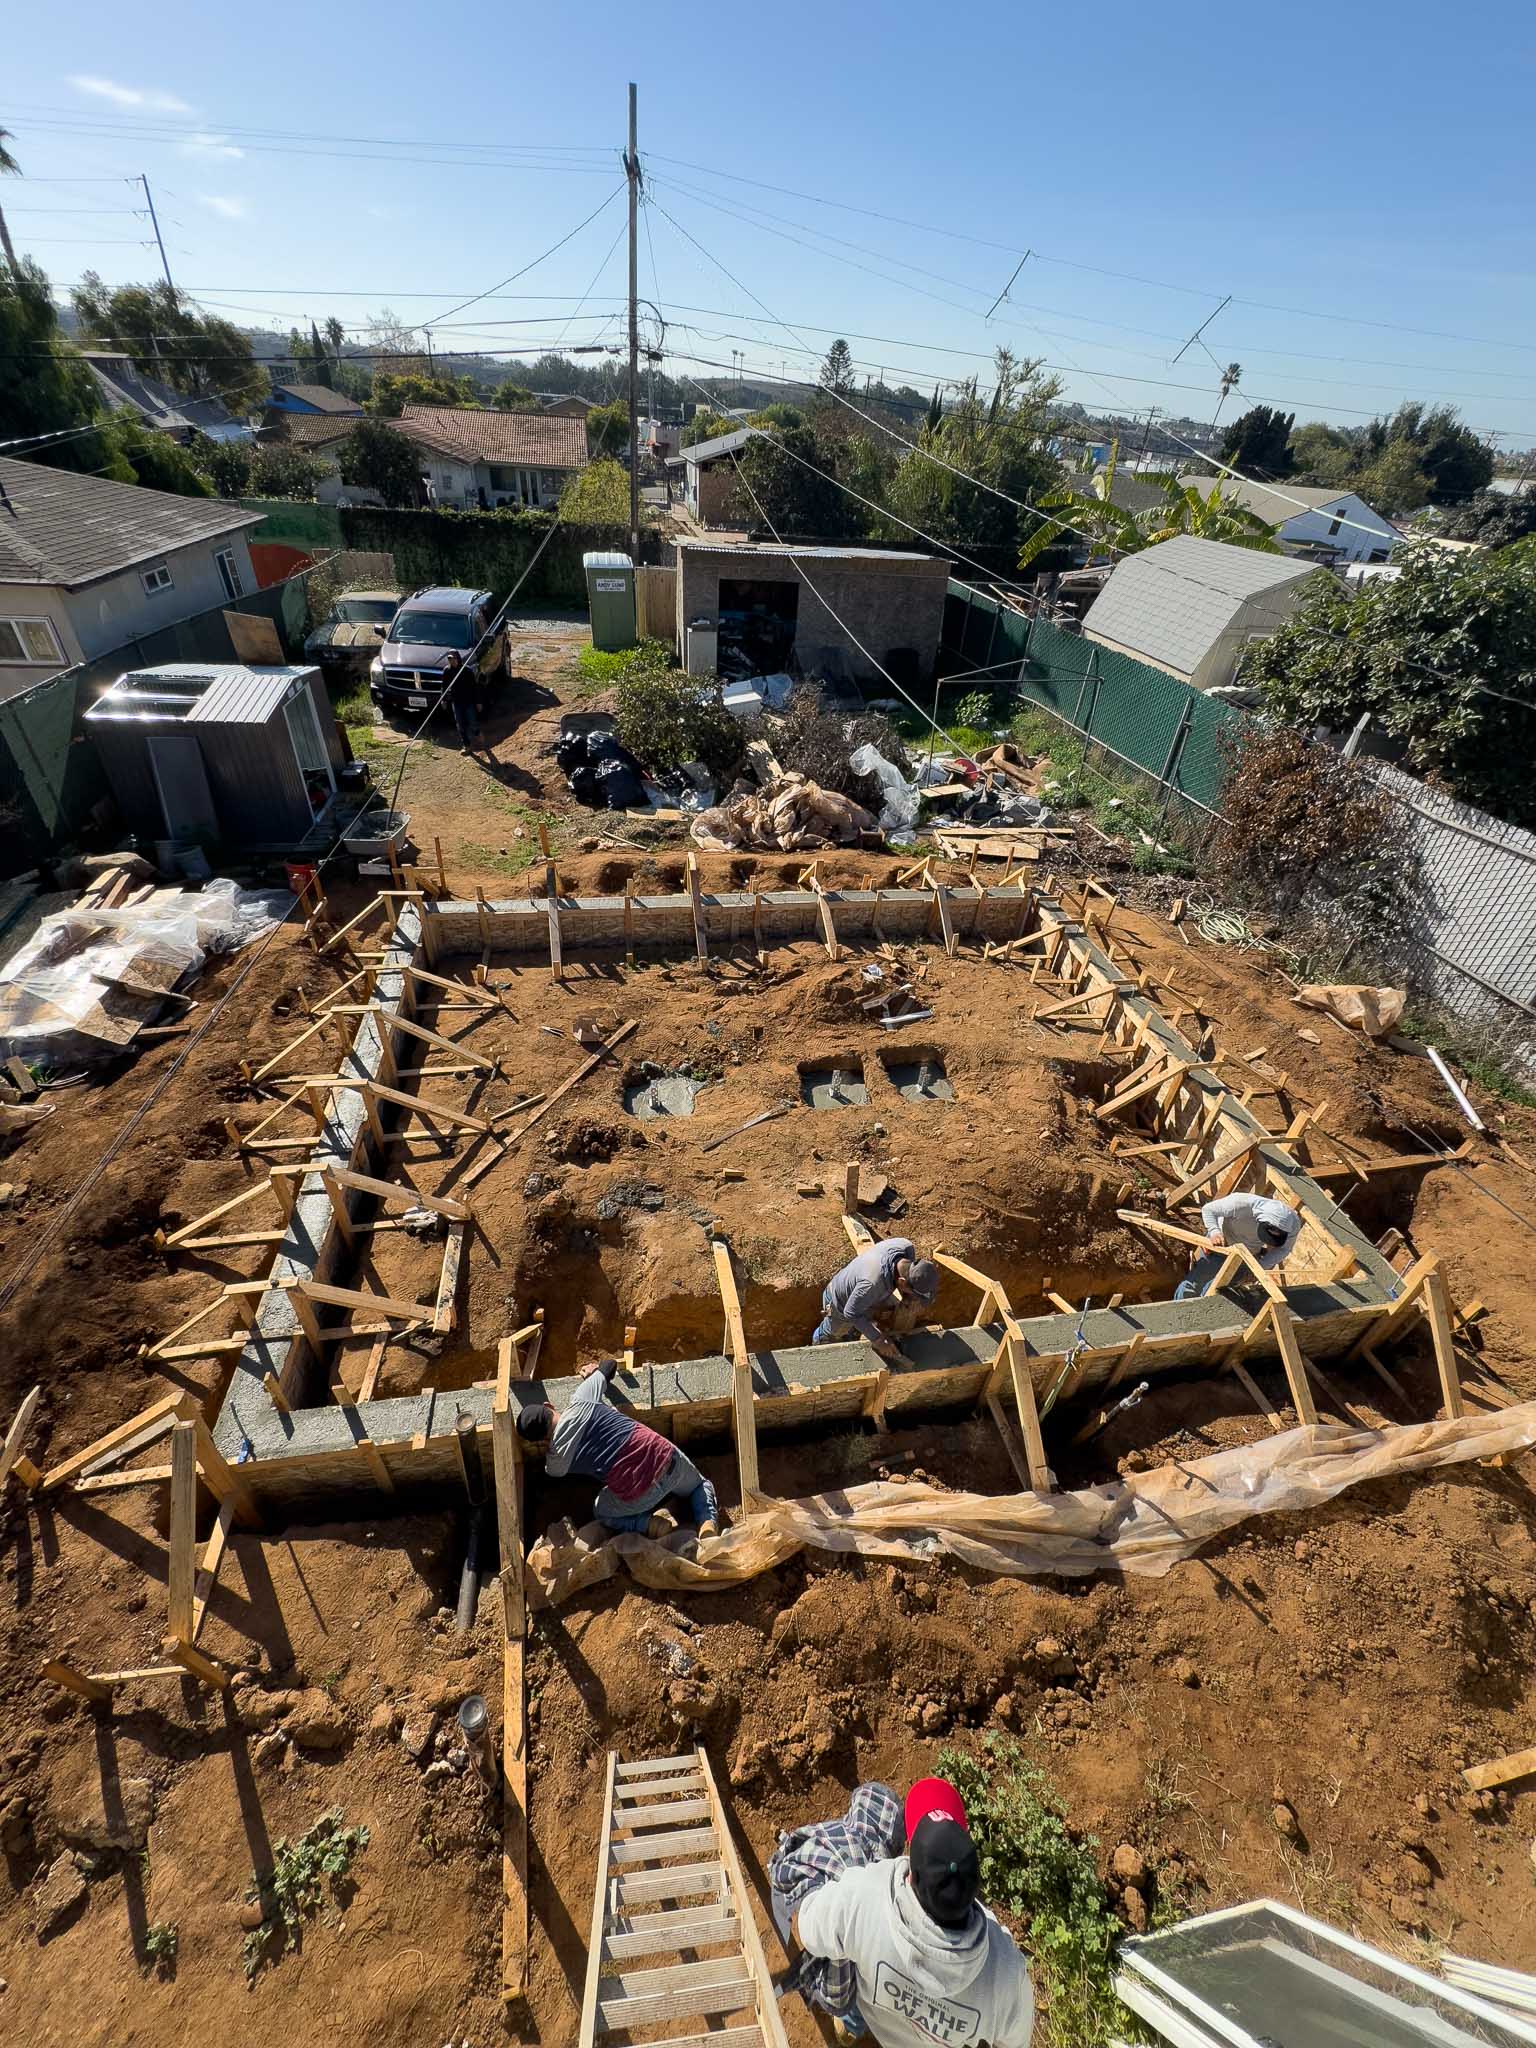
201, 751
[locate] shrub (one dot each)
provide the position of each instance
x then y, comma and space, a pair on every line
161, 1941
1039, 1872
601, 667
975, 709
1304, 823
296, 1887
665, 718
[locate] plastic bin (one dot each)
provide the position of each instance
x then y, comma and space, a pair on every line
611, 599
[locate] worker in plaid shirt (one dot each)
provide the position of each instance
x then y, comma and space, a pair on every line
810, 1857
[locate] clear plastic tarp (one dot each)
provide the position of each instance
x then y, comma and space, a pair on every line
1145, 1523
88, 980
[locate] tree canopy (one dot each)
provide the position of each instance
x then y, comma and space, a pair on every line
380, 458
1454, 461
1258, 443
1422, 653
392, 393
1185, 509
510, 397
598, 495
704, 426
836, 372
164, 336
787, 496
608, 430
1000, 442
1496, 518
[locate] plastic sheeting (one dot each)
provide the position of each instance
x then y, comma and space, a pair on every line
1145, 1524
900, 800
88, 980
1375, 1010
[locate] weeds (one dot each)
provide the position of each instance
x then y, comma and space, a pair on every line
513, 860
295, 1889
1481, 1054
1037, 1870
161, 1939
601, 669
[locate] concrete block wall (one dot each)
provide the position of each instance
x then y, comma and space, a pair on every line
887, 600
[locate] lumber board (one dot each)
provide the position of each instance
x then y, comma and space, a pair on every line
1010, 1441
507, 1465
1159, 1228
743, 1415
202, 1668
94, 1689
412, 1029
183, 1539
208, 1566
581, 1073
1235, 1155
398, 1192
1504, 1770
201, 1223
1163, 1075
1295, 1365
1016, 1351
16, 1435
424, 1106
445, 1310
696, 905
1437, 1312
120, 1482
128, 1436
1257, 1395
350, 1297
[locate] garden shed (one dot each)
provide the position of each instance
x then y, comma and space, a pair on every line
197, 752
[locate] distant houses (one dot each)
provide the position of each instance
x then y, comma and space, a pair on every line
1335, 524
127, 389
478, 458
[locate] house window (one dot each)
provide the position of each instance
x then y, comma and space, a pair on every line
1334, 526
29, 640
158, 578
229, 573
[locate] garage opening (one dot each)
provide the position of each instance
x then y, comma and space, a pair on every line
758, 622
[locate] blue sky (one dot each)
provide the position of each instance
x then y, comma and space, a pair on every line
1344, 177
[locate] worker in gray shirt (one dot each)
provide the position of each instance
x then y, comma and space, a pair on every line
1268, 1228
876, 1276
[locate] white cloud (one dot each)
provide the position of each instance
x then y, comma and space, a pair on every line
209, 145
229, 209
148, 98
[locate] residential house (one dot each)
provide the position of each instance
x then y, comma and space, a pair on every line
126, 389
1335, 523
320, 435
565, 408
1132, 493
1190, 607
709, 477
851, 609
308, 399
480, 458
87, 565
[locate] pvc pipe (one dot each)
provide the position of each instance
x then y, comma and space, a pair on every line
1456, 1089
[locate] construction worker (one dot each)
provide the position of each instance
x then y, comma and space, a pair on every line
1268, 1228
931, 1965
811, 1856
638, 1467
883, 1272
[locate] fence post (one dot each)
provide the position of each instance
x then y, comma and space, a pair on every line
1090, 675
992, 636
1175, 749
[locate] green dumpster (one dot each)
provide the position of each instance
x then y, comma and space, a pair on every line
610, 598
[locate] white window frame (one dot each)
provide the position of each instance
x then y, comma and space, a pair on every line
25, 660
156, 579
229, 571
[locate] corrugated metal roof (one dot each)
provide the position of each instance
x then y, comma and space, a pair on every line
722, 444
214, 693
784, 549
1173, 602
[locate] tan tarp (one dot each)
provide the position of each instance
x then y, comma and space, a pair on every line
1375, 1010
789, 814
1146, 1523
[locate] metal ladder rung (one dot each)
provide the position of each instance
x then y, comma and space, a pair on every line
648, 1848
665, 1813
685, 1881
656, 1763
691, 1927
680, 1991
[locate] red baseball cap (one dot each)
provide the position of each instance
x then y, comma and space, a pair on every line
934, 1799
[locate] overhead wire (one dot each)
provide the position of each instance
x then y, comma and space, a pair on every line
523, 272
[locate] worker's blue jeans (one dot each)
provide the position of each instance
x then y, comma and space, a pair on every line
1200, 1276
681, 1476
831, 1328
465, 719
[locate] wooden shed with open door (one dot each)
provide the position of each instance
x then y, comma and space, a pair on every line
198, 752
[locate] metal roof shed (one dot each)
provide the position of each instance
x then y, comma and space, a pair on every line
218, 751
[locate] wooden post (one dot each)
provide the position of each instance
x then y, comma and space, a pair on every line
851, 1188
696, 902
629, 923
743, 1412
11, 1459
442, 872
1294, 1363
1437, 1309
507, 1459
1016, 1350
183, 1559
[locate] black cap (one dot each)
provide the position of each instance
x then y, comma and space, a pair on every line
945, 1871
1274, 1233
533, 1422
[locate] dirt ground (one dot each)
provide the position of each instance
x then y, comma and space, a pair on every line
1348, 1662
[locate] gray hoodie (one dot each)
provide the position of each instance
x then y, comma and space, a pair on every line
920, 1985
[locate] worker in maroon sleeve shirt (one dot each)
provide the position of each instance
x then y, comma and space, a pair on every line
638, 1467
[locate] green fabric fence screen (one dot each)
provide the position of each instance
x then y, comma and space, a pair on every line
1150, 720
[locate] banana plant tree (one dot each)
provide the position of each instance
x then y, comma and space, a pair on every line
1110, 527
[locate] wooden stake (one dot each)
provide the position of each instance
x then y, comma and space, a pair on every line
1437, 1309
851, 1188
696, 902
743, 1412
11, 1459
275, 1393
92, 1689
183, 1529
1294, 1363
442, 872
1016, 1355
507, 1460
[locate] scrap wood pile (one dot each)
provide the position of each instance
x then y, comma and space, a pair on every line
788, 813
95, 975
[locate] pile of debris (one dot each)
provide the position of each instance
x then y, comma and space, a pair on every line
788, 813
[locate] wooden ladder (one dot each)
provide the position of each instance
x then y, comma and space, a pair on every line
669, 1886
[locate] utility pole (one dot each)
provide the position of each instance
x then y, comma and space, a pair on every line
632, 172
155, 224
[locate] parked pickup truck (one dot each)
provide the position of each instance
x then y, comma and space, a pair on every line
432, 634
351, 635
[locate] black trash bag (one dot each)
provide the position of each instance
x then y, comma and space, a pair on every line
571, 751
620, 785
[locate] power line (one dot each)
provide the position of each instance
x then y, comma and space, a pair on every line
478, 296
144, 125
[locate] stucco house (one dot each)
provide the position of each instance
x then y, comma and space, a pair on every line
87, 565
478, 458
709, 476
1310, 516
1190, 607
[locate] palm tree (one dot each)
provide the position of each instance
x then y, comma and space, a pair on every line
1231, 377
1184, 510
335, 334
10, 167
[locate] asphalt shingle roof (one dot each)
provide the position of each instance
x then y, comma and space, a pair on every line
1274, 507
1172, 602
310, 429
321, 397
60, 527
486, 435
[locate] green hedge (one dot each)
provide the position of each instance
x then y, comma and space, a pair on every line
483, 550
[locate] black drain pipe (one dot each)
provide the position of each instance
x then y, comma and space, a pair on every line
474, 1488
